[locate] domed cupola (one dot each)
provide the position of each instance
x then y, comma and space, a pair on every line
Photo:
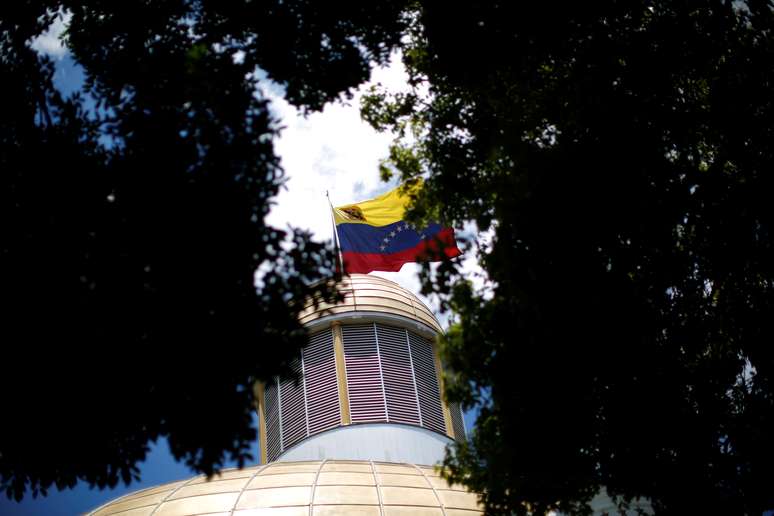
357, 434
369, 383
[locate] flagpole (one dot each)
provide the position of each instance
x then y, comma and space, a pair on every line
336, 247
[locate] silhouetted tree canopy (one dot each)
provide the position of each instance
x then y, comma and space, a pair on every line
620, 155
133, 222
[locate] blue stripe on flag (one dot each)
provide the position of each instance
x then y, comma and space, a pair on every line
393, 238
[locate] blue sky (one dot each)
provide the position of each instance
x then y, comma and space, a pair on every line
159, 468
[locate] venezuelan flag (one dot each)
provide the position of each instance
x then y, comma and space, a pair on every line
374, 236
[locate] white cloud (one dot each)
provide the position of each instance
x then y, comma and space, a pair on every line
50, 42
336, 151
331, 151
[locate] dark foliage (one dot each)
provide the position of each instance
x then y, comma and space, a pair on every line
133, 221
621, 155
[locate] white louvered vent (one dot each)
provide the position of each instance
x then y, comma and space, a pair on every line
364, 381
294, 427
427, 383
458, 424
390, 376
398, 375
273, 438
322, 393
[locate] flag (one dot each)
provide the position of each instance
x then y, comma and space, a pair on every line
373, 235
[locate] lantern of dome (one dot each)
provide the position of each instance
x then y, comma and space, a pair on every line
368, 386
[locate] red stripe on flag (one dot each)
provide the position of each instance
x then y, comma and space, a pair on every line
443, 244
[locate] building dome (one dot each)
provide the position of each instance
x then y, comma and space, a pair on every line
370, 384
317, 488
344, 434
372, 297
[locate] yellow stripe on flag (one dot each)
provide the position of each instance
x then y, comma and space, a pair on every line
386, 209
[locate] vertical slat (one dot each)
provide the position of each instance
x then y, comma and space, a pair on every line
341, 374
413, 376
400, 393
320, 382
279, 411
273, 434
364, 386
381, 373
303, 381
457, 421
258, 391
444, 406
427, 383
293, 407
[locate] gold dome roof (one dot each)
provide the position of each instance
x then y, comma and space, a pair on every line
364, 294
317, 488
